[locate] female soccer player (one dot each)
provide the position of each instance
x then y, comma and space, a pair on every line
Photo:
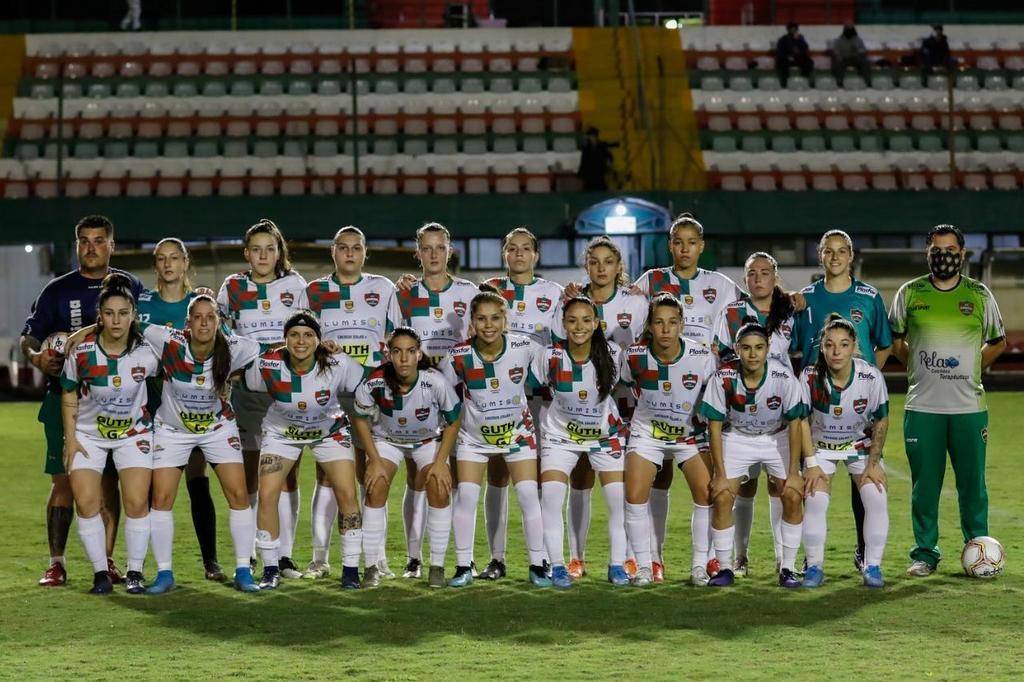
772, 307
304, 379
848, 421
582, 421
493, 369
414, 412
103, 407
532, 303
256, 303
669, 373
357, 310
754, 409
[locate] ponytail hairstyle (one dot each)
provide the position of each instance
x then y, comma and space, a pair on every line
600, 353
623, 279
307, 318
842, 235
221, 346
663, 300
521, 231
686, 220
488, 294
781, 306
388, 367
283, 266
119, 284
833, 321
180, 245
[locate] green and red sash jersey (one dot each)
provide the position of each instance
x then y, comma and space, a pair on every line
703, 297
258, 311
440, 317
622, 316
359, 316
768, 408
416, 416
532, 307
731, 319
841, 419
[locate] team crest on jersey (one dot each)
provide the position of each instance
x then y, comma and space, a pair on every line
520, 306
459, 307
350, 305
301, 404
372, 299
583, 395
265, 304
322, 397
117, 382
966, 308
624, 319
438, 313
138, 373
774, 402
710, 294
287, 298
859, 405
856, 315
837, 411
515, 374
143, 446
787, 330
688, 300
543, 304
402, 421
666, 386
234, 442
200, 380
422, 413
689, 381
495, 383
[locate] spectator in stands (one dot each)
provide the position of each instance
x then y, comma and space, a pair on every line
849, 50
595, 161
792, 50
133, 17
935, 52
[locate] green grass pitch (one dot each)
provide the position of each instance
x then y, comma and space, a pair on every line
943, 627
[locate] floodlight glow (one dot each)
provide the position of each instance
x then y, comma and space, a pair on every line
620, 209
28, 248
671, 24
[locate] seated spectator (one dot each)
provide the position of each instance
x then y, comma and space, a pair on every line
935, 52
792, 50
849, 50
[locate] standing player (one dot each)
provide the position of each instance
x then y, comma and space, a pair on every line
256, 303
532, 303
848, 421
754, 409
414, 412
948, 331
861, 304
357, 310
66, 304
669, 374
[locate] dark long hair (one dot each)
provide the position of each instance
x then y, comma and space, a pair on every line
119, 284
600, 353
665, 300
283, 266
488, 294
833, 321
781, 306
221, 346
388, 367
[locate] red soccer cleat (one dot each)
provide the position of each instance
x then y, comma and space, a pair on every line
713, 566
115, 575
577, 569
55, 576
658, 571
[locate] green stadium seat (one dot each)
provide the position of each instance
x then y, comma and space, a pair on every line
564, 145
901, 143
962, 143
825, 83
175, 149
472, 85
768, 83
415, 147
415, 86
155, 89
871, 143
205, 149
295, 148
559, 85
185, 89
723, 144
386, 87
753, 144
502, 85
444, 86
86, 150
711, 83
930, 143
271, 88
910, 82
385, 147
740, 84
27, 152
264, 149
783, 144
300, 88
882, 82
362, 87
98, 91
214, 89
812, 143
325, 148
1015, 143
115, 150
534, 145
42, 91
127, 90
474, 145
350, 149
843, 144
445, 146
72, 90
798, 84
236, 148
506, 145
146, 149
328, 88
529, 85
242, 89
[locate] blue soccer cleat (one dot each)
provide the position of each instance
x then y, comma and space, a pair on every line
462, 578
724, 578
101, 583
814, 576
244, 580
350, 578
560, 577
789, 579
164, 582
539, 576
873, 576
271, 578
617, 575
134, 583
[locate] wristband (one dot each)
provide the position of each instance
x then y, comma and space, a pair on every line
810, 462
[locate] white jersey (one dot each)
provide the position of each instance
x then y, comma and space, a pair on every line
495, 415
111, 389
359, 316
440, 317
730, 319
532, 307
190, 402
411, 418
259, 311
305, 407
766, 409
703, 296
668, 396
577, 416
842, 419
622, 316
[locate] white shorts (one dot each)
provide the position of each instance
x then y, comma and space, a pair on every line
742, 453
538, 408
128, 453
854, 465
332, 449
466, 452
559, 457
422, 454
171, 448
348, 404
657, 451
250, 408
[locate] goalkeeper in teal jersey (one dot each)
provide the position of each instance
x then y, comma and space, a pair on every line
948, 331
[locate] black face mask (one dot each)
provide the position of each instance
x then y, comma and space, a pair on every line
943, 264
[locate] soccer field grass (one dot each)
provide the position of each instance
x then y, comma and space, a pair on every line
942, 627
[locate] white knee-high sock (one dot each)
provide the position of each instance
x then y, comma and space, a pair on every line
351, 547
615, 500
551, 501
269, 548
775, 514
417, 521
876, 523
323, 516
700, 535
743, 513
790, 544
408, 514
94, 541
722, 540
659, 521
815, 527
242, 523
136, 541
288, 517
496, 519
579, 522
638, 531
161, 537
528, 496
439, 526
464, 522
375, 524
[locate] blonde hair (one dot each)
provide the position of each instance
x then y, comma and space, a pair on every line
186, 280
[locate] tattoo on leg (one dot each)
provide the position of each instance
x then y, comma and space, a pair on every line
270, 464
58, 525
353, 521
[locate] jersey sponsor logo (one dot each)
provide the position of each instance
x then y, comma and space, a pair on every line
438, 313
773, 403
143, 446
837, 411
859, 405
402, 421
865, 290
322, 397
76, 313
357, 351
270, 364
287, 298
688, 300
520, 306
581, 434
495, 383
138, 374
690, 381
113, 427
776, 374
299, 433
825, 445
866, 376
856, 315
519, 343
499, 435
372, 299
543, 304
422, 413
666, 386
460, 308
515, 374
933, 361
583, 395
265, 305
200, 380
710, 294
301, 404
116, 381
624, 319
196, 422
966, 308
919, 305
662, 430
350, 305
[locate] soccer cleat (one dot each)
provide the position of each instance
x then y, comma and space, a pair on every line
713, 567
495, 571
462, 578
134, 582
577, 569
115, 575
630, 567
436, 577
371, 576
546, 565
164, 582
699, 576
317, 569
641, 578
271, 578
101, 583
244, 581
658, 571
288, 568
539, 576
472, 567
350, 578
55, 576
413, 569
920, 569
788, 578
858, 559
560, 577
741, 569
384, 569
214, 572
724, 578
814, 576
873, 576
617, 575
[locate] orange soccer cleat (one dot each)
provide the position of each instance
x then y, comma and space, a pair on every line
658, 571
577, 569
630, 567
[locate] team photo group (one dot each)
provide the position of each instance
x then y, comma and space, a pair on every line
516, 382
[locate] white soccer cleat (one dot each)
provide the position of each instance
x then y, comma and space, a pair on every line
699, 576
642, 577
384, 569
316, 570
